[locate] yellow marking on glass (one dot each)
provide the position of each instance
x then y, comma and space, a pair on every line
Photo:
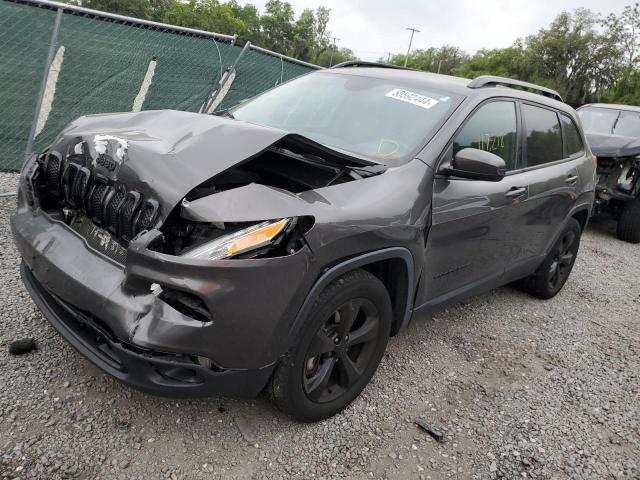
392, 142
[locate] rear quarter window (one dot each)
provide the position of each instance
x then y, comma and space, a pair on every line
571, 139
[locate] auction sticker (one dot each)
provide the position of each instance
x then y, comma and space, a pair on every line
412, 97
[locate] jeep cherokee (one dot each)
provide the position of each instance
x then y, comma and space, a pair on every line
281, 243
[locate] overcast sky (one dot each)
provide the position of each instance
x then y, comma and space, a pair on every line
373, 27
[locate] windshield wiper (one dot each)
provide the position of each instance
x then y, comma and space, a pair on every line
224, 113
359, 170
369, 170
615, 123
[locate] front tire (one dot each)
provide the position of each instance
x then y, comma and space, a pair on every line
628, 228
556, 268
338, 350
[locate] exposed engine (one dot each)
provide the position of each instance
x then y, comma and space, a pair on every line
618, 181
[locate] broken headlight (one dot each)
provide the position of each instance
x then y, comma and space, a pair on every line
246, 240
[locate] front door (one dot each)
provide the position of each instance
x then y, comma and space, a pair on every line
475, 229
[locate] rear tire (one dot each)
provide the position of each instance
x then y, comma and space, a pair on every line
628, 228
556, 268
338, 350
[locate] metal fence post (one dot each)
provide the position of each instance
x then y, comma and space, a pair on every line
212, 101
43, 84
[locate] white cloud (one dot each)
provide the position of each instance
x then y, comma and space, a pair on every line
373, 27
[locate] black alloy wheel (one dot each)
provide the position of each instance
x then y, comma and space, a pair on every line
563, 259
340, 350
556, 267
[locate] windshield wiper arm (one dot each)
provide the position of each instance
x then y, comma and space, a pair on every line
615, 123
224, 113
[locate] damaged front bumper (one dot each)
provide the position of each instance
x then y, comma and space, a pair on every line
108, 312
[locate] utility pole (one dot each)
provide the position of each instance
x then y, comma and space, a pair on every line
332, 50
413, 30
388, 56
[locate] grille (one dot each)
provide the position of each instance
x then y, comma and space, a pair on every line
113, 207
52, 170
122, 212
127, 213
147, 216
94, 205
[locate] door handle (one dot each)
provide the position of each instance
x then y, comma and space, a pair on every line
571, 180
516, 192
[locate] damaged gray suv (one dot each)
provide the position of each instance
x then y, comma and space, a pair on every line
280, 244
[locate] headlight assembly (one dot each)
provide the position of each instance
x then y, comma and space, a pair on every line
246, 240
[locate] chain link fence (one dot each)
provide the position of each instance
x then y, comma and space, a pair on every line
58, 62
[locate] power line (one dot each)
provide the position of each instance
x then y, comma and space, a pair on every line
413, 30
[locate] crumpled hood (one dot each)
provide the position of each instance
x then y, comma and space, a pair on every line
164, 154
613, 145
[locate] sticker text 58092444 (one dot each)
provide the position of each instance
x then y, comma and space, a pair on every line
412, 97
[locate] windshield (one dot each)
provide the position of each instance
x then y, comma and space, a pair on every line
609, 121
379, 118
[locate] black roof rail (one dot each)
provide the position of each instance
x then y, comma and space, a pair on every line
492, 81
362, 63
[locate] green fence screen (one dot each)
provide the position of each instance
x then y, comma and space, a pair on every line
103, 63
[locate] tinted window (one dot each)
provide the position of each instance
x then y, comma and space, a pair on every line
571, 141
544, 141
493, 129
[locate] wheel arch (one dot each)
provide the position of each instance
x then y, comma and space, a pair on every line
582, 216
393, 266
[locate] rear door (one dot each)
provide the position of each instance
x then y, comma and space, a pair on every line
476, 225
552, 151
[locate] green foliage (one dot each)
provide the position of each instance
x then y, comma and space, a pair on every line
438, 60
510, 62
581, 56
584, 57
306, 38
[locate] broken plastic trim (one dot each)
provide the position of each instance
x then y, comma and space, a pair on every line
292, 164
188, 304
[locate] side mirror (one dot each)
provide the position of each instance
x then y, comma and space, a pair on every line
476, 164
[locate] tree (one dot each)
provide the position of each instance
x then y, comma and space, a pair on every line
512, 62
207, 15
251, 26
443, 60
339, 55
131, 8
277, 26
625, 30
574, 57
579, 54
302, 45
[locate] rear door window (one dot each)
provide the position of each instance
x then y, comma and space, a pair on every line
571, 140
492, 128
544, 137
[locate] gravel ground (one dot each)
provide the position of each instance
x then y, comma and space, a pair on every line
520, 388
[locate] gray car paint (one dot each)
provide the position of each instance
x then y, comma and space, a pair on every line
473, 238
